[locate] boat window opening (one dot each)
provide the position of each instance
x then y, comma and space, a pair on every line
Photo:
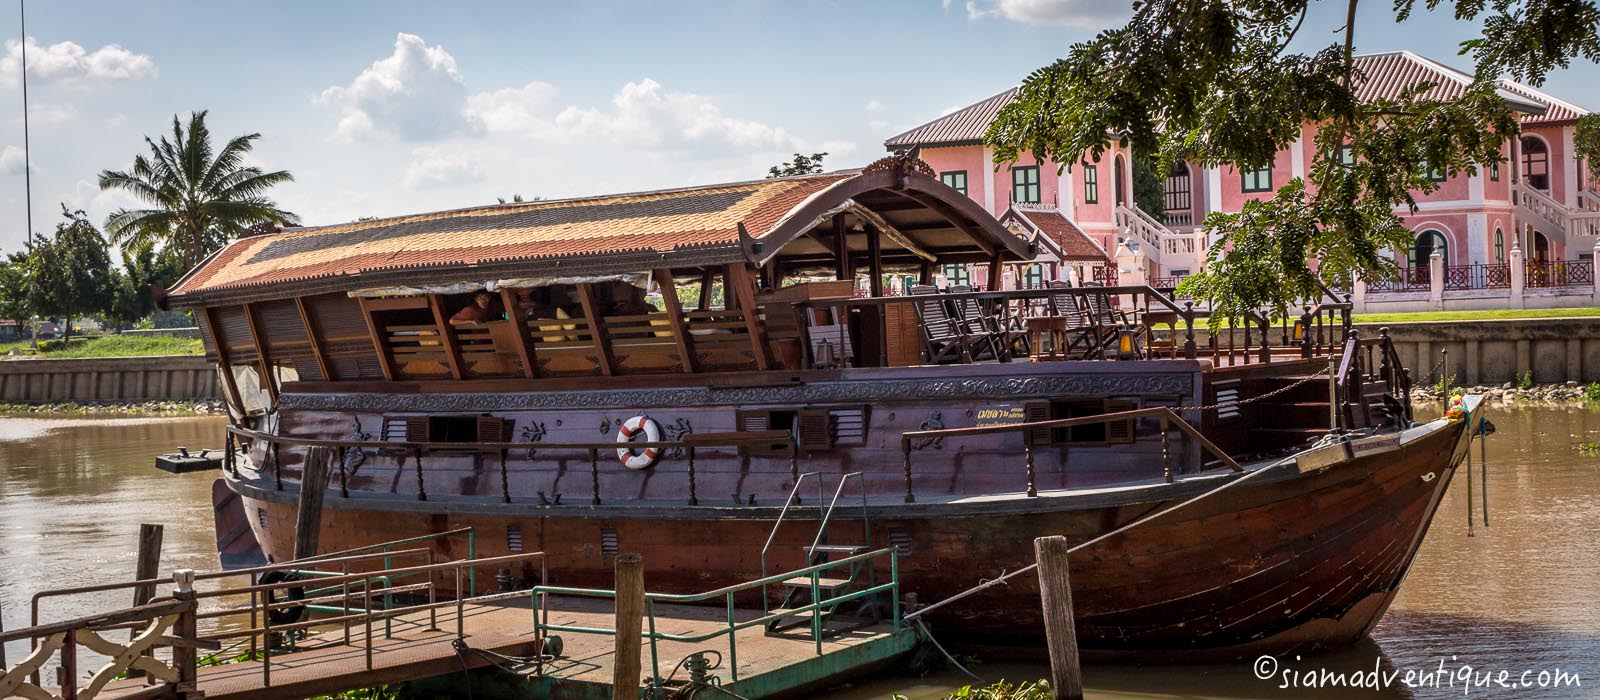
1111, 432
452, 428
764, 420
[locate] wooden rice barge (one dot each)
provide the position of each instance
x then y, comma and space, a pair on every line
357, 620
670, 373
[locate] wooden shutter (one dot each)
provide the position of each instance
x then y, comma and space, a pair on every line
1119, 432
753, 421
1035, 411
491, 429
814, 432
416, 428
849, 425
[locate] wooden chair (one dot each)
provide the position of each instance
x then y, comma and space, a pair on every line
941, 333
1077, 335
988, 336
1112, 322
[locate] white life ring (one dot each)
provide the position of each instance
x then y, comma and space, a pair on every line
630, 430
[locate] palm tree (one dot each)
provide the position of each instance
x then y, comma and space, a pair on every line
198, 201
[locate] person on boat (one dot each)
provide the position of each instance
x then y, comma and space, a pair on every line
480, 310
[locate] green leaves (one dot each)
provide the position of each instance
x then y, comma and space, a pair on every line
801, 165
1212, 82
198, 198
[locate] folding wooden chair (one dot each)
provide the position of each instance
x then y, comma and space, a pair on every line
1112, 322
941, 334
982, 329
1076, 336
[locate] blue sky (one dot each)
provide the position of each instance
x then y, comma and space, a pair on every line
383, 108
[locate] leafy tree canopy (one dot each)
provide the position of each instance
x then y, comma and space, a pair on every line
801, 165
70, 271
1214, 82
197, 198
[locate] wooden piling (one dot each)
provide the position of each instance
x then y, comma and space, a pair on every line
629, 626
1055, 594
313, 486
148, 563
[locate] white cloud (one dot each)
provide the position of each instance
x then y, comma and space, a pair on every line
644, 114
1089, 14
11, 159
416, 93
875, 106
69, 64
514, 110
433, 167
116, 120
52, 113
87, 195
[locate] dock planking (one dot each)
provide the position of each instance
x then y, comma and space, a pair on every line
325, 664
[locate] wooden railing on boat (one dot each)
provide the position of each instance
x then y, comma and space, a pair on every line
1366, 362
1169, 418
768, 440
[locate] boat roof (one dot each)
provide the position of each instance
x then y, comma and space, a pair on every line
601, 235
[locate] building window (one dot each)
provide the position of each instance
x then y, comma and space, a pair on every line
1346, 156
1025, 184
1500, 246
1432, 173
1091, 184
1033, 277
956, 275
1258, 180
1494, 172
1536, 163
1422, 249
955, 179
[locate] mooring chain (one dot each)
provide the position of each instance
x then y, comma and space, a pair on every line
1245, 402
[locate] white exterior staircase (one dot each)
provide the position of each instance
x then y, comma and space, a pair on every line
1577, 227
1164, 248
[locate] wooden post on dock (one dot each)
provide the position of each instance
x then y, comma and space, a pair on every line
313, 486
1055, 594
630, 626
148, 564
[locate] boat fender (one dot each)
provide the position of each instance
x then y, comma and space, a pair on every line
286, 615
643, 459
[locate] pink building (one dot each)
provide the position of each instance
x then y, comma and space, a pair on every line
1537, 206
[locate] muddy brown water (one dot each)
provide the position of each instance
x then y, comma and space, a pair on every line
1522, 596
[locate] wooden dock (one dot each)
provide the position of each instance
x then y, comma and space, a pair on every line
351, 640
324, 664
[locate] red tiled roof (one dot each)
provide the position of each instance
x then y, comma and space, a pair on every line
963, 126
1074, 243
1387, 75
533, 237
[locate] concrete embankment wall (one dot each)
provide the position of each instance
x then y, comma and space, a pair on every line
1555, 350
108, 379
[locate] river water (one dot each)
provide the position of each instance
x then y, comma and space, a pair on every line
1521, 596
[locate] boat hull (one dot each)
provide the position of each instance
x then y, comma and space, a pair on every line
1293, 561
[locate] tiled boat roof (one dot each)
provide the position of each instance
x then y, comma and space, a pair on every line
697, 225
1387, 74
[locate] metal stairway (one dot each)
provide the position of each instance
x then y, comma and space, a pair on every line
801, 591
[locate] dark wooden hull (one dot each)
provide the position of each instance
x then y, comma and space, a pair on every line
1288, 562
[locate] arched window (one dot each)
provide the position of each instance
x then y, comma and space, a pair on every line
1427, 242
1119, 173
1499, 246
1536, 163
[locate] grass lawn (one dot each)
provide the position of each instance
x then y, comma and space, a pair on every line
110, 346
1475, 315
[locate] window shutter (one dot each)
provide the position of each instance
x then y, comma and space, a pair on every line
1119, 432
1034, 412
416, 429
752, 421
814, 432
491, 429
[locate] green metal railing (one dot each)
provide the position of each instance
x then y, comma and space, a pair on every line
816, 608
387, 547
